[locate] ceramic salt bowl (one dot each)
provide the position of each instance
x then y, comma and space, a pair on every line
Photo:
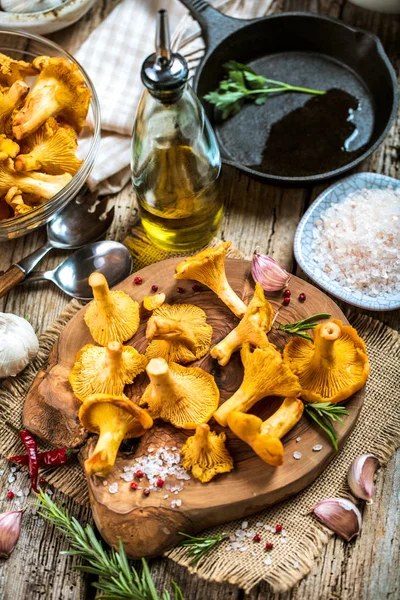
61, 13
303, 251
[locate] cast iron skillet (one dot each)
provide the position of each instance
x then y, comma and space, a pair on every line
302, 49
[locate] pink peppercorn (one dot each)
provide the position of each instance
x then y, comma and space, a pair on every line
139, 474
138, 281
286, 301
196, 288
180, 290
269, 546
302, 297
160, 483
134, 485
10, 495
287, 293
257, 538
154, 288
146, 492
278, 528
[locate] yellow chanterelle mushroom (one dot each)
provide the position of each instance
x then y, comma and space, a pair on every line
153, 302
114, 419
264, 436
183, 396
253, 328
265, 374
332, 368
112, 316
205, 454
179, 333
107, 370
208, 267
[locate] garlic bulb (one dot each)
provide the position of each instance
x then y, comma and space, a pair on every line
18, 344
360, 476
28, 6
10, 528
268, 273
340, 515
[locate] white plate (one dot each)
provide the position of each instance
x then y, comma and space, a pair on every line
304, 236
46, 21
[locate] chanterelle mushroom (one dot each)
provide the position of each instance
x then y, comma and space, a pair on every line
8, 148
265, 374
253, 328
113, 418
12, 70
208, 267
60, 90
264, 436
39, 184
107, 370
205, 454
15, 200
112, 316
179, 333
50, 149
183, 396
10, 99
332, 368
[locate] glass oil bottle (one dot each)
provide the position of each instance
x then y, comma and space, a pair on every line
175, 156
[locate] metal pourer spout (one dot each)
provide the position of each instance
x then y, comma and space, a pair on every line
163, 41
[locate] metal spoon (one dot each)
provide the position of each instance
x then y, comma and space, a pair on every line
110, 258
83, 220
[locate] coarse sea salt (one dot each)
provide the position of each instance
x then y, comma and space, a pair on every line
357, 242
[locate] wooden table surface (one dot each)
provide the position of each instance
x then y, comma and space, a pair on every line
255, 215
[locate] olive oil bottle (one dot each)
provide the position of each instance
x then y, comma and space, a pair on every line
175, 156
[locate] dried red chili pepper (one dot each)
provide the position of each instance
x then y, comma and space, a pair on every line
51, 458
31, 448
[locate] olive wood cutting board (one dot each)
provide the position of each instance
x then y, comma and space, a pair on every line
149, 525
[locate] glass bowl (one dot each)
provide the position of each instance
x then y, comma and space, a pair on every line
26, 46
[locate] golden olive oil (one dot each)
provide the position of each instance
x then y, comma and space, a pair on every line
175, 156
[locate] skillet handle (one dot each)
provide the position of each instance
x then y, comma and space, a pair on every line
216, 27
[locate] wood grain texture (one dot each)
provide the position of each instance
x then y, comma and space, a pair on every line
364, 570
10, 279
51, 408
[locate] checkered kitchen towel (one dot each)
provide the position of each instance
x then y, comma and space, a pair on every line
112, 56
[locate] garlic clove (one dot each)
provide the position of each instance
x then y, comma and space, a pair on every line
360, 476
10, 528
339, 515
268, 273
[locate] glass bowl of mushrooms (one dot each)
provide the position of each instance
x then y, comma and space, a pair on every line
49, 131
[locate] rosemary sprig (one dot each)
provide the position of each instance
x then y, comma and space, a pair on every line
243, 83
325, 414
199, 546
298, 327
118, 579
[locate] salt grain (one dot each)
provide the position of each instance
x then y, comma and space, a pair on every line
356, 242
11, 478
317, 448
245, 524
298, 439
297, 455
268, 561
113, 489
295, 565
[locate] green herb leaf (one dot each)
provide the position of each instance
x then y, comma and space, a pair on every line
118, 579
243, 83
199, 546
325, 414
298, 327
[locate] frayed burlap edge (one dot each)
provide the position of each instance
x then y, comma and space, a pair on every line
299, 562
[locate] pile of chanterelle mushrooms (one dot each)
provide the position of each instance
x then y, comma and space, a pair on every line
331, 368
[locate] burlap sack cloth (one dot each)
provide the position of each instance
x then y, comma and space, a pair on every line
377, 431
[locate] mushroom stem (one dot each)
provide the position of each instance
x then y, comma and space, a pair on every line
114, 357
101, 291
241, 401
264, 437
230, 298
324, 345
170, 329
105, 453
159, 374
224, 350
